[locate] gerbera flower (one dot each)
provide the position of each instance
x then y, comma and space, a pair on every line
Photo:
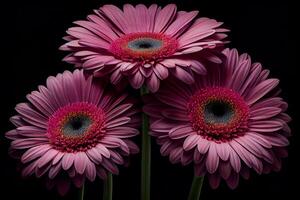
144, 44
228, 122
74, 127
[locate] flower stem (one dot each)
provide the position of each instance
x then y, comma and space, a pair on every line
81, 193
146, 155
196, 188
108, 187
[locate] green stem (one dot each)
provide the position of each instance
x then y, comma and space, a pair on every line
146, 155
196, 188
108, 187
81, 193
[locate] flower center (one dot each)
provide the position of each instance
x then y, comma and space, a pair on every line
76, 127
145, 44
218, 114
141, 47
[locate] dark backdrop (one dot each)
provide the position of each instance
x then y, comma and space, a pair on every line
32, 34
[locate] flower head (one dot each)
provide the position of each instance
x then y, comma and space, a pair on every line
74, 127
144, 44
228, 122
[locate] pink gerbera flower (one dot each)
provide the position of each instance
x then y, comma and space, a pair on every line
228, 122
144, 44
74, 126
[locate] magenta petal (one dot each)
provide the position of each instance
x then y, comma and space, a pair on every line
233, 181
63, 187
225, 169
78, 181
214, 180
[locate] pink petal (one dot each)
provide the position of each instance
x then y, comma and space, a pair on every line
173, 114
31, 131
80, 162
103, 150
161, 71
264, 113
117, 158
175, 155
203, 145
35, 152
153, 83
117, 122
182, 20
261, 90
116, 15
28, 143
137, 80
265, 126
12, 134
68, 160
57, 158
180, 132
110, 166
164, 17
54, 170
235, 161
276, 140
183, 75
118, 111
31, 116
90, 170
94, 155
47, 157
212, 160
122, 132
223, 150
191, 141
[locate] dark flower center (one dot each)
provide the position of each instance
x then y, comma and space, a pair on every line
218, 112
143, 47
145, 44
76, 125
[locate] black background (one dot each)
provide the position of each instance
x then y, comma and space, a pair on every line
32, 34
